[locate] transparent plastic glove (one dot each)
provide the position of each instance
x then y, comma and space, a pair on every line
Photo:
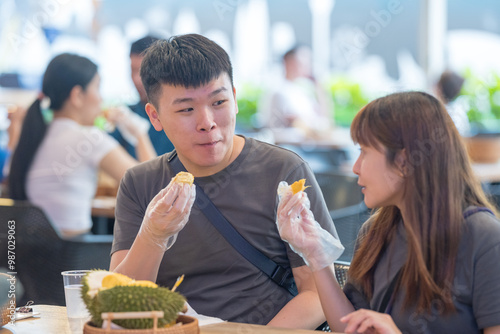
167, 214
130, 124
296, 225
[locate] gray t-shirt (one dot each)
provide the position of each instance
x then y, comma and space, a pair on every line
476, 291
218, 280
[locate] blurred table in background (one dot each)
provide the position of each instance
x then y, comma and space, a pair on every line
103, 204
338, 137
487, 172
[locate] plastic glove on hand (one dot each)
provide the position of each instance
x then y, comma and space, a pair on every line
306, 237
167, 214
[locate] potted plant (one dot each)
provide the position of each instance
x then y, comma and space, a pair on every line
481, 98
348, 98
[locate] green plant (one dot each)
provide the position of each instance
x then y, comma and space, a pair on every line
348, 98
482, 100
248, 96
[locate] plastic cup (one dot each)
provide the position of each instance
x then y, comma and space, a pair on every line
75, 307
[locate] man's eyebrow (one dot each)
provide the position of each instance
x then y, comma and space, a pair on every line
189, 99
179, 101
217, 91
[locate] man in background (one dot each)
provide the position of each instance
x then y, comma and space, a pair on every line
160, 141
298, 107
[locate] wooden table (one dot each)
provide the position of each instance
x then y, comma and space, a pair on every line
53, 319
104, 206
487, 172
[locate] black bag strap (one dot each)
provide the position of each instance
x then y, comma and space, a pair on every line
279, 274
388, 293
390, 289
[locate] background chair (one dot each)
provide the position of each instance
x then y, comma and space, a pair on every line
41, 254
322, 158
341, 269
348, 221
339, 189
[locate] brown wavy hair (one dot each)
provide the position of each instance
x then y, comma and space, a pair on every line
438, 185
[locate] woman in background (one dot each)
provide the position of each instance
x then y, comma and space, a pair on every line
427, 260
59, 152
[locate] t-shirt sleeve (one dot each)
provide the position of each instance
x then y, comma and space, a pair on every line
486, 293
128, 214
102, 143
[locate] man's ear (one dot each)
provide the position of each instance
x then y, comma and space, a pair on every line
153, 116
235, 100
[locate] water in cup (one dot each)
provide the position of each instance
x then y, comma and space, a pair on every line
73, 297
75, 307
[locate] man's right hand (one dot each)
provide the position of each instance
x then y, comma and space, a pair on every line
167, 214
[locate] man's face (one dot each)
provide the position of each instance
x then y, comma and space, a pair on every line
135, 69
200, 123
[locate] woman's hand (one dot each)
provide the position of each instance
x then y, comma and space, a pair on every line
297, 226
371, 322
131, 125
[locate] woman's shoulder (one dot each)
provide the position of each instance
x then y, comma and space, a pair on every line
482, 229
481, 220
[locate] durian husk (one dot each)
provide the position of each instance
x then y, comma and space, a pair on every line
137, 298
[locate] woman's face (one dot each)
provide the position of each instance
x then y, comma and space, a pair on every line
92, 101
382, 184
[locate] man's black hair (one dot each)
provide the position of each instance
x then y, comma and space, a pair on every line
187, 60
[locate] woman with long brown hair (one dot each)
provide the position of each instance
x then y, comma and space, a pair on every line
427, 261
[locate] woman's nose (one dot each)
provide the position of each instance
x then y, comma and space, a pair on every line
355, 167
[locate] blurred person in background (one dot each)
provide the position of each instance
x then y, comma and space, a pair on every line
448, 89
159, 139
298, 107
60, 152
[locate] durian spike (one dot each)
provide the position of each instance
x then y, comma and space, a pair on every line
178, 282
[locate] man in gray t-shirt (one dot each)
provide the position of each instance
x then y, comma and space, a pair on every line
160, 235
